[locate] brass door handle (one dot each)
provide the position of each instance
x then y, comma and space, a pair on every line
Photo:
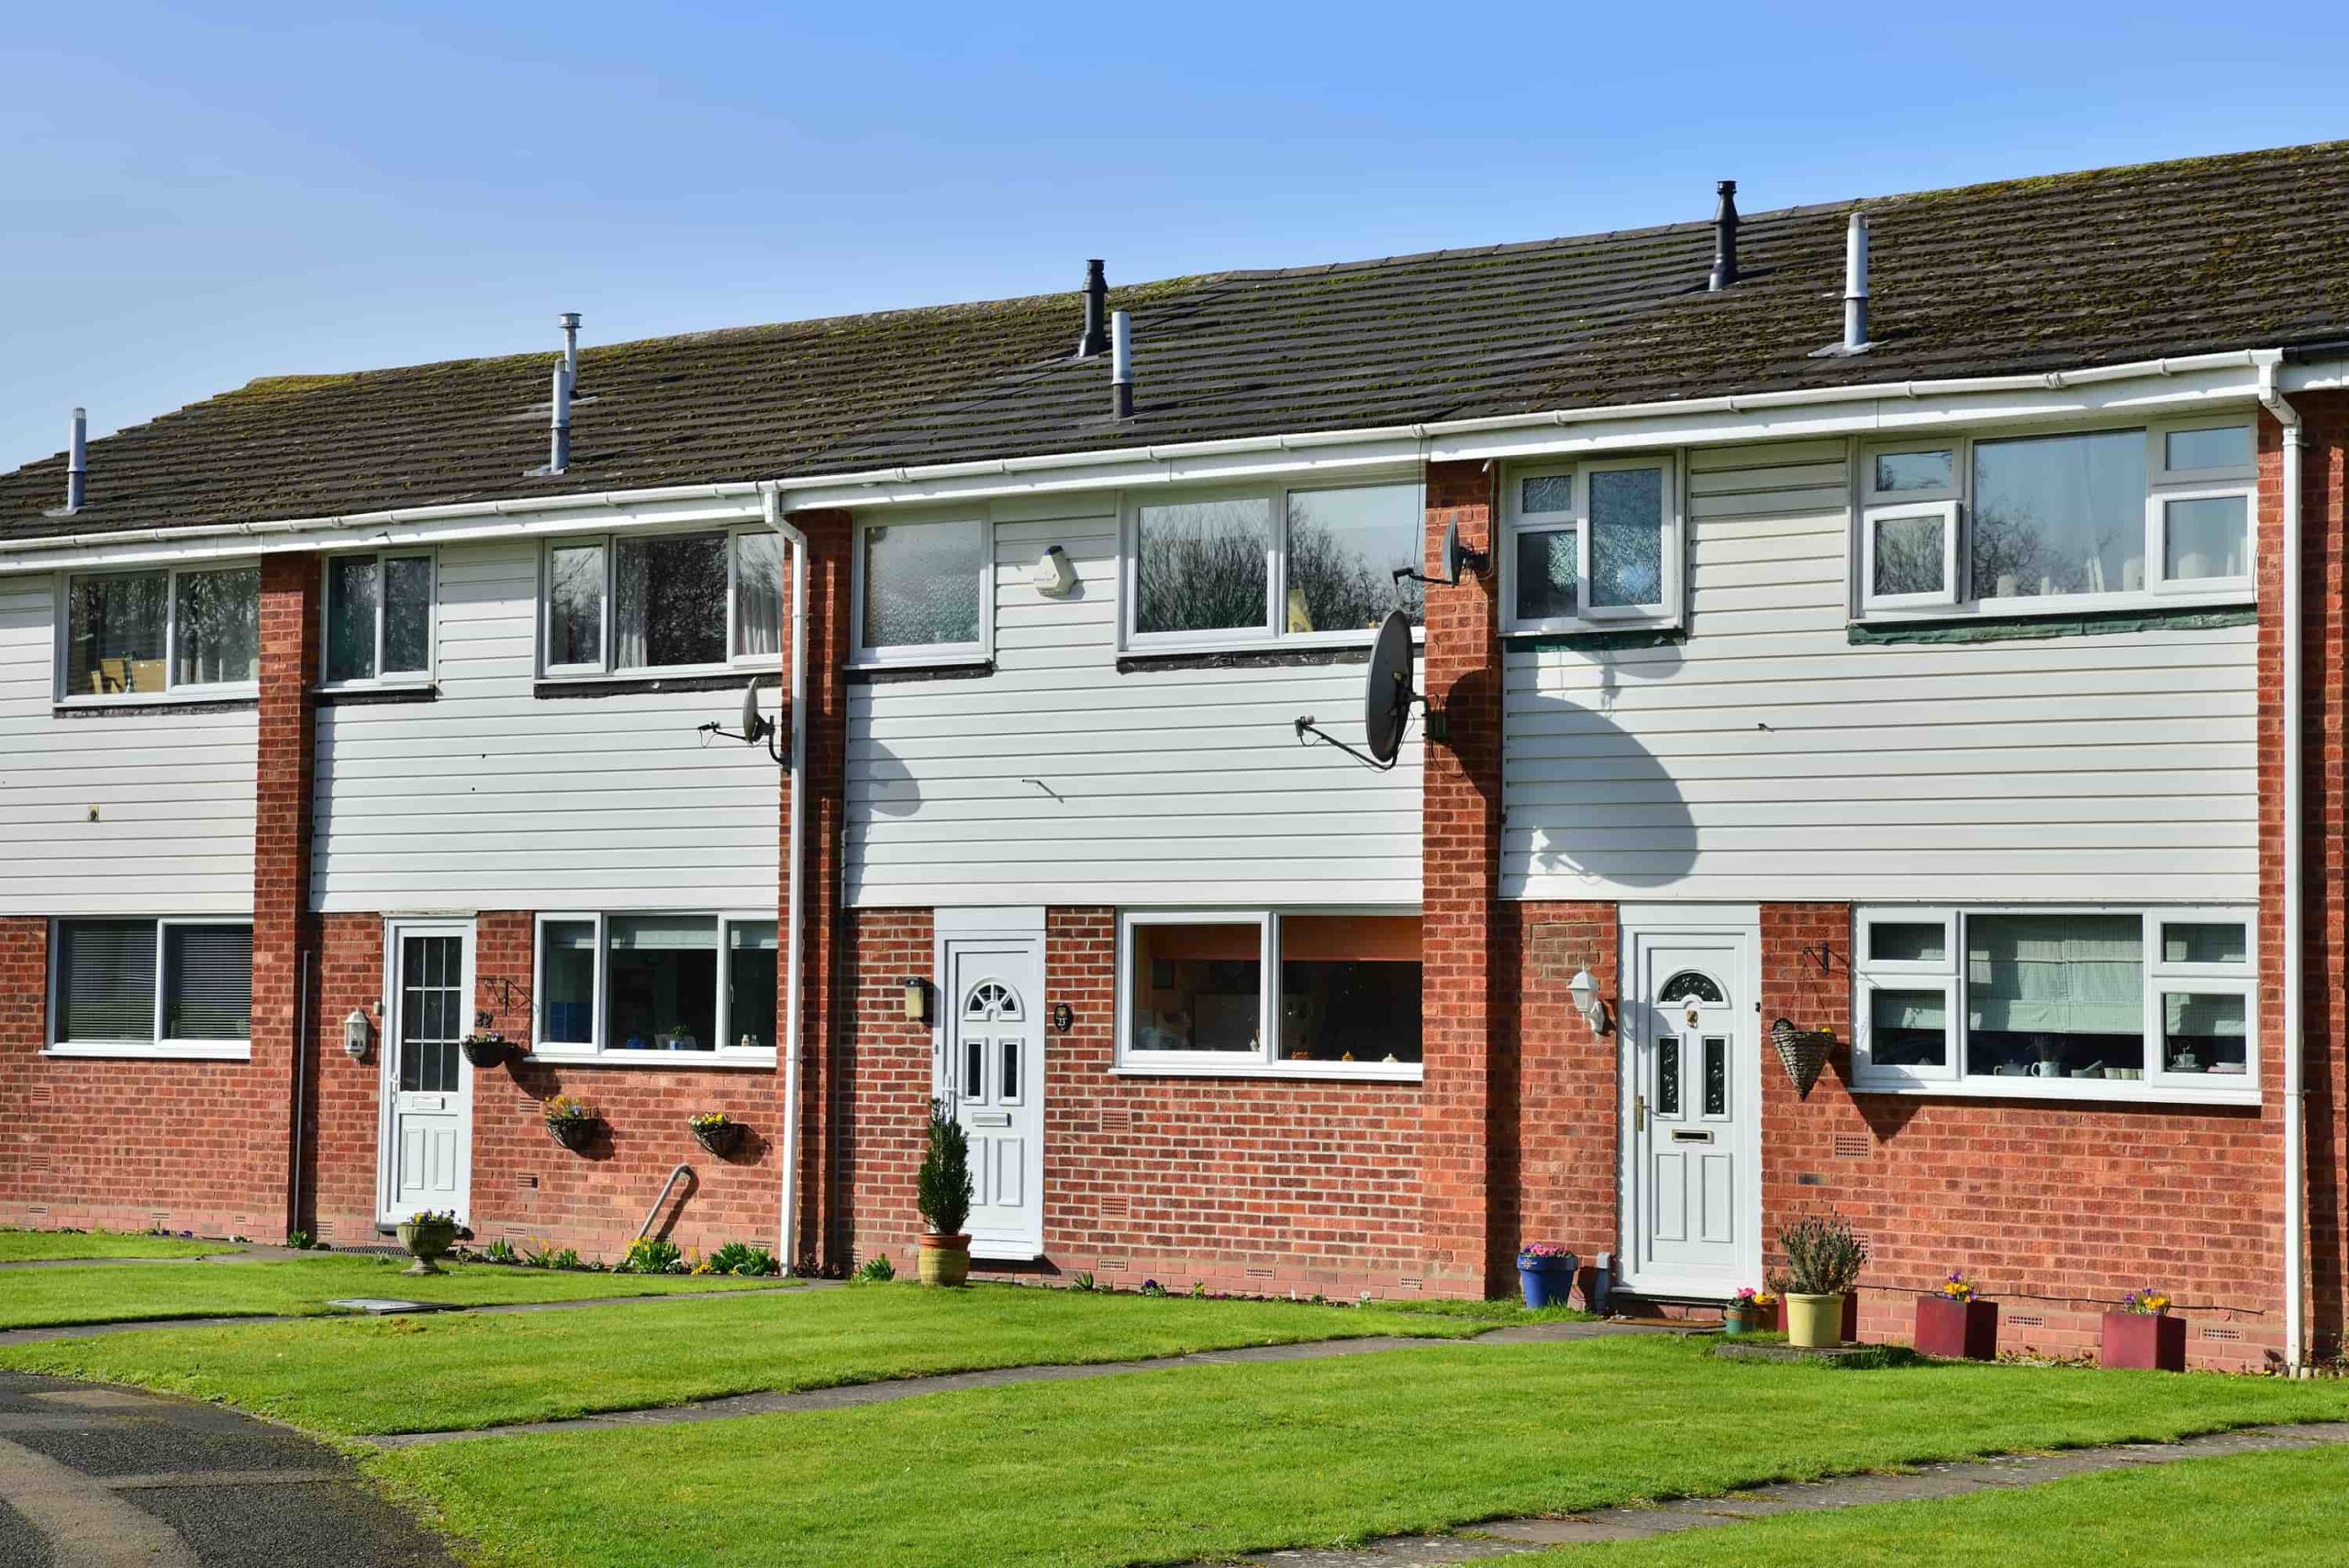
1640, 1112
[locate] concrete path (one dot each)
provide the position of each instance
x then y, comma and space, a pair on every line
1507, 1538
95, 1477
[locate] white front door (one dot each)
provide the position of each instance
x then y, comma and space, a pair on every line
426, 1127
1692, 1092
992, 1071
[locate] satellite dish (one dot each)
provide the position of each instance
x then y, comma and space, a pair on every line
754, 724
1387, 696
1452, 560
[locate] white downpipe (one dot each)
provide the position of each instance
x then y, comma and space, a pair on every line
794, 870
2289, 418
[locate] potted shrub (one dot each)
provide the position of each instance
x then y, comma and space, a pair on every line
1954, 1321
1823, 1263
2141, 1335
1545, 1272
943, 1194
677, 1037
717, 1131
1750, 1311
571, 1121
484, 1050
427, 1236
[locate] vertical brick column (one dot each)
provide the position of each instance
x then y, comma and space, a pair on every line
1459, 841
284, 766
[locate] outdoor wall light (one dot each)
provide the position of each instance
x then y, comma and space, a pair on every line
916, 999
1583, 991
355, 1031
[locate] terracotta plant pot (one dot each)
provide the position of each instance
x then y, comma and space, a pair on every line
722, 1139
1957, 1330
1814, 1322
2144, 1342
426, 1244
945, 1260
574, 1133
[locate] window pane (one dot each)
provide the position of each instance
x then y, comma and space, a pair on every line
2204, 1034
408, 615
1200, 565
1547, 493
106, 980
922, 583
2205, 941
1716, 1075
1545, 576
2055, 996
219, 626
567, 981
207, 982
1909, 555
352, 590
1196, 988
669, 602
115, 635
758, 593
1343, 548
1627, 536
1667, 1075
1908, 941
2059, 514
750, 984
974, 1069
575, 604
1896, 472
660, 979
1909, 1029
2207, 537
2228, 446
1349, 988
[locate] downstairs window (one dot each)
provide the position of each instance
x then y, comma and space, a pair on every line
632, 987
1344, 1001
151, 987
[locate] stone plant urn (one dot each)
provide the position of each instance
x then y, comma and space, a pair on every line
945, 1260
426, 1239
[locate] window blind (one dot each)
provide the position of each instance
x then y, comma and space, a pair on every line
207, 982
2056, 974
106, 980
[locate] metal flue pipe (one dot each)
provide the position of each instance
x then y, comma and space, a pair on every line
1122, 363
1856, 284
77, 462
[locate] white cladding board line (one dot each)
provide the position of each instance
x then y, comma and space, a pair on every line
174, 792
1767, 757
1162, 787
493, 799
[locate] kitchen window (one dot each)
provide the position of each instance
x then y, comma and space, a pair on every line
1591, 546
656, 987
1279, 565
192, 632
2072, 1004
2016, 524
151, 987
924, 590
620, 605
1343, 1002
379, 619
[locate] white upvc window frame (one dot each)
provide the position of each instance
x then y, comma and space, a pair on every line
600, 1052
925, 655
1266, 1060
155, 1047
379, 681
1946, 513
2162, 979
174, 690
610, 541
1272, 632
1665, 613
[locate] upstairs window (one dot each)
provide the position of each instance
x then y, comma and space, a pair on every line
629, 604
165, 988
923, 590
1591, 546
378, 618
1287, 565
195, 631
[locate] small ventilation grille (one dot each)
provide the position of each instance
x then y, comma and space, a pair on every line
35, 1209
1411, 1282
1255, 1273
1113, 1208
2025, 1320
1811, 1178
42, 1094
38, 1164
1853, 1146
1110, 1266
2214, 1332
1117, 1121
526, 1183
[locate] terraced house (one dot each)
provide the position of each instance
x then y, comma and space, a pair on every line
1919, 619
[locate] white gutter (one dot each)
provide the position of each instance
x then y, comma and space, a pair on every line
794, 870
2294, 1264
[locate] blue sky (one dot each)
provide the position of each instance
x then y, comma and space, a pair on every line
199, 195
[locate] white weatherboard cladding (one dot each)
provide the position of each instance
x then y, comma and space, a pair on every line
1769, 757
493, 798
1171, 786
173, 791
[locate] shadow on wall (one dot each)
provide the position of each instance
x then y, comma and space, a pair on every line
1596, 804
881, 781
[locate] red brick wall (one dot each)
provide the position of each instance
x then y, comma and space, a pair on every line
824, 1232
285, 764
1562, 1185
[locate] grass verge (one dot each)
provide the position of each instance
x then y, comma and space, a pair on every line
39, 1246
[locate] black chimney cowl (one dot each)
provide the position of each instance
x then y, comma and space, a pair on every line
1096, 339
1725, 237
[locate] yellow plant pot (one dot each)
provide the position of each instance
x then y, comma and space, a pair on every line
945, 1260
1814, 1322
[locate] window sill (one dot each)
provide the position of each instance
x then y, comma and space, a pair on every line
2074, 1091
670, 1061
375, 697
2167, 613
1597, 637
223, 1052
1346, 1071
565, 686
1255, 656
246, 699
912, 671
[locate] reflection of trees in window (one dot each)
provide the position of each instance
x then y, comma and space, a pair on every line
1627, 536
116, 641
1909, 555
670, 603
1344, 589
1200, 566
219, 626
2058, 515
575, 620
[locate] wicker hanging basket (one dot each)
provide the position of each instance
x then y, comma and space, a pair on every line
1804, 1052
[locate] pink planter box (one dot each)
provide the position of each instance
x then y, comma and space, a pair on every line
1958, 1330
2143, 1341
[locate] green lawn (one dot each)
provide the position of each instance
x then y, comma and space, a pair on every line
122, 1292
435, 1373
30, 1246
2277, 1510
1174, 1466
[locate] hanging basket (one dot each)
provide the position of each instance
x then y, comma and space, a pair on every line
484, 1050
1804, 1052
722, 1139
574, 1133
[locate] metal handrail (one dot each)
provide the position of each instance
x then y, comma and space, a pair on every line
654, 1212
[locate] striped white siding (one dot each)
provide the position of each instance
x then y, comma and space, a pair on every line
493, 798
1163, 787
174, 792
1769, 758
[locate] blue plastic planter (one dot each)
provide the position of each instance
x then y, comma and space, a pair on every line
1547, 1282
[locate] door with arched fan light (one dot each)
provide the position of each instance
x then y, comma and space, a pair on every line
990, 1071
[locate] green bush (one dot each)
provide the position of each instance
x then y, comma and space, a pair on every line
743, 1259
874, 1270
651, 1255
944, 1191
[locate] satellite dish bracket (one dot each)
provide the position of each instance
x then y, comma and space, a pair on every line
756, 727
1437, 727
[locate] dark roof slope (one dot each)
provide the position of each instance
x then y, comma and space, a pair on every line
2248, 250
